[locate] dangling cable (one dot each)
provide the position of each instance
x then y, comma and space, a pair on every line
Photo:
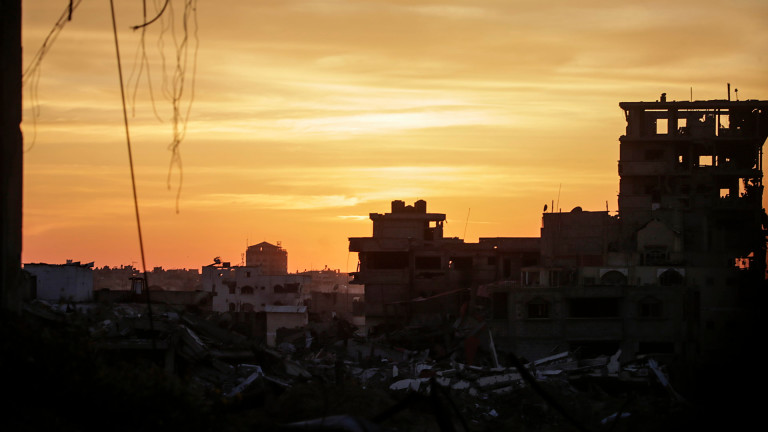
146, 23
130, 162
31, 75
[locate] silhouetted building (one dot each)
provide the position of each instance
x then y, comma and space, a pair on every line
160, 279
115, 278
411, 271
675, 272
272, 259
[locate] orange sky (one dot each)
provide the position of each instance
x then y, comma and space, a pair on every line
308, 115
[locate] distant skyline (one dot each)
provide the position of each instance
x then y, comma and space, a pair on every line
309, 115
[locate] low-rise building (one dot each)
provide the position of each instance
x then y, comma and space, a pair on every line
70, 282
246, 289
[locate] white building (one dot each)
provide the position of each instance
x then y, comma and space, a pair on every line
246, 289
70, 282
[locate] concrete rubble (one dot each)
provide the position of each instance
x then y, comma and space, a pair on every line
491, 391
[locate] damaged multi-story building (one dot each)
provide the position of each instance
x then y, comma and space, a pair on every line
410, 270
673, 272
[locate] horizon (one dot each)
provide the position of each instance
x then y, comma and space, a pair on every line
308, 116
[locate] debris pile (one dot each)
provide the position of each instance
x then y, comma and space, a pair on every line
328, 374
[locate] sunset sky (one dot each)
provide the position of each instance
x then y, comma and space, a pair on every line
308, 115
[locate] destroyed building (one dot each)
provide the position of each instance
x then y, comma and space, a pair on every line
410, 270
671, 273
331, 295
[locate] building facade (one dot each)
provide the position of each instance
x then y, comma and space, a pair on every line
246, 289
675, 272
70, 282
410, 271
272, 259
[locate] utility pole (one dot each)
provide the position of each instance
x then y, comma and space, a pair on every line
11, 156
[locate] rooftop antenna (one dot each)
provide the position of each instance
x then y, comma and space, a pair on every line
466, 223
558, 196
729, 92
737, 94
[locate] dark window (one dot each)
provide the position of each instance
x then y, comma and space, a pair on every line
232, 307
428, 262
461, 263
500, 305
232, 286
654, 154
385, 260
599, 307
650, 307
655, 255
613, 278
538, 309
246, 290
288, 288
671, 277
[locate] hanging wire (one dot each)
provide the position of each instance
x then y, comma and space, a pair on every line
175, 82
141, 62
130, 163
159, 14
31, 75
181, 116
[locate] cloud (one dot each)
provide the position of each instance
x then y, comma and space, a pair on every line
311, 109
274, 201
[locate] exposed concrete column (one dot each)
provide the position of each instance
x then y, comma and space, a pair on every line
11, 161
